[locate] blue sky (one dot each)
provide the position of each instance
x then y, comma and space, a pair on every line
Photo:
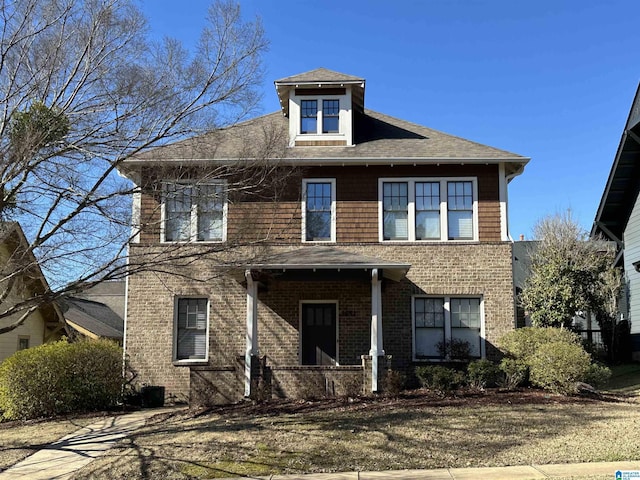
552, 80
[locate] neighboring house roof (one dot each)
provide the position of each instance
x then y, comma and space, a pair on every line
12, 235
379, 139
93, 319
623, 184
111, 293
318, 257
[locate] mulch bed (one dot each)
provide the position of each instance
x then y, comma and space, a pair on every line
413, 399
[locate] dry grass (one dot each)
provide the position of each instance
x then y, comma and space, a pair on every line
20, 439
413, 432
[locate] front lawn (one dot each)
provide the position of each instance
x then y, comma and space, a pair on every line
415, 431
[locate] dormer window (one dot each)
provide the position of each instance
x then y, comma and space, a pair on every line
309, 116
330, 116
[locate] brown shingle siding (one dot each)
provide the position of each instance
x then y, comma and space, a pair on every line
357, 204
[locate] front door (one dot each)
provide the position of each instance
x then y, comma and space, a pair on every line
318, 334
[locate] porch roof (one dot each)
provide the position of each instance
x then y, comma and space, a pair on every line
329, 258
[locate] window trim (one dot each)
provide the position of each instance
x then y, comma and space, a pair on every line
319, 133
193, 238
189, 361
411, 214
305, 182
447, 325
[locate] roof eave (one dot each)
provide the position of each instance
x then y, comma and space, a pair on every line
337, 160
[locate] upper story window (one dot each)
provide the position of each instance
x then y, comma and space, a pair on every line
330, 116
415, 209
314, 120
309, 116
194, 212
318, 210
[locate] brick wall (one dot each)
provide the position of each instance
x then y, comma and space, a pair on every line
437, 269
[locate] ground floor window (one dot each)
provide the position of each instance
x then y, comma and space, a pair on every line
191, 329
447, 327
23, 342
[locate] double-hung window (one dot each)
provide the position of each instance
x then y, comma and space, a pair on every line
309, 116
446, 327
330, 116
191, 325
396, 210
318, 210
320, 116
425, 209
194, 212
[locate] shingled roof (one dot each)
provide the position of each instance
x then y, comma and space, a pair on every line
92, 318
379, 139
320, 75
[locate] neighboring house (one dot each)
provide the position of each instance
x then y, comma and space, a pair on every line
618, 218
97, 312
522, 251
46, 323
389, 239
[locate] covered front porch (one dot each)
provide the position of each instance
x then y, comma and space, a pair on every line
330, 302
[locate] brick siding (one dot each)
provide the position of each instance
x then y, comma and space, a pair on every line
482, 269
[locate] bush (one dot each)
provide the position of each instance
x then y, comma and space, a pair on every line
522, 343
557, 366
515, 373
454, 349
483, 373
393, 382
60, 378
440, 379
597, 375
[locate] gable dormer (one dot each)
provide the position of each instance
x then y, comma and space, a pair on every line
320, 105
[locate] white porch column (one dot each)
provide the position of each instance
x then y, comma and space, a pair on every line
252, 330
376, 326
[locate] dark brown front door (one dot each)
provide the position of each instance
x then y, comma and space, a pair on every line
318, 334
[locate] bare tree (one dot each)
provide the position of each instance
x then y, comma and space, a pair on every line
84, 89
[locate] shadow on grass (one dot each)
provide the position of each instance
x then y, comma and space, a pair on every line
418, 431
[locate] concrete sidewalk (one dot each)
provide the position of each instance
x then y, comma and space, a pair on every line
525, 472
62, 458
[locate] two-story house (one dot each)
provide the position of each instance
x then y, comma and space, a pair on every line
327, 240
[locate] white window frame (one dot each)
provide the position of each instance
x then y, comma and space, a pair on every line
447, 324
320, 115
189, 361
194, 211
303, 302
305, 182
444, 227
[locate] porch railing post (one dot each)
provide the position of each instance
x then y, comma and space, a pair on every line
376, 327
252, 330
